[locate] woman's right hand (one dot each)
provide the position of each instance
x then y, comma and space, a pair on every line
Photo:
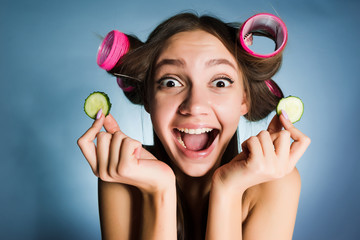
118, 158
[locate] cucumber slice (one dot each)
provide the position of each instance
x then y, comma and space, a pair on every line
96, 101
293, 106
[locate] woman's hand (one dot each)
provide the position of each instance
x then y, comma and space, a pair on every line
118, 158
268, 156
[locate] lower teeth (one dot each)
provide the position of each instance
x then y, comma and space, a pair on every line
181, 142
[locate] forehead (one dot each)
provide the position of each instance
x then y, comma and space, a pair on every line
194, 43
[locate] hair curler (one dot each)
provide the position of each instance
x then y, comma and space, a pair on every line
267, 24
120, 81
115, 45
121, 84
273, 87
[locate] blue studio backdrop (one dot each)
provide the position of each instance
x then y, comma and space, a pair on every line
48, 67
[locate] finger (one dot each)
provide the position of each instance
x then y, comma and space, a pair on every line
301, 141
128, 151
129, 158
87, 145
110, 124
266, 144
254, 148
282, 146
90, 134
103, 148
243, 155
115, 151
274, 125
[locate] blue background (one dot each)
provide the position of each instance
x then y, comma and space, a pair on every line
48, 67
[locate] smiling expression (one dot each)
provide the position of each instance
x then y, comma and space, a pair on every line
197, 100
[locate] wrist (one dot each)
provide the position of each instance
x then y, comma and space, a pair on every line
227, 185
160, 214
160, 196
225, 203
158, 187
223, 191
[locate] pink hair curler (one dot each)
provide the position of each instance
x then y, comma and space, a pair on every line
115, 45
273, 88
268, 23
123, 87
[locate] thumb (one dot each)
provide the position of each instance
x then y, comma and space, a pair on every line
110, 124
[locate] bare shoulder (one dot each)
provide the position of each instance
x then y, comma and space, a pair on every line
272, 206
288, 185
119, 209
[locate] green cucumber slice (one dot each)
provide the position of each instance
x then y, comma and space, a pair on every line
96, 101
293, 106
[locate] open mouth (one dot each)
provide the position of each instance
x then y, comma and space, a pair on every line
195, 139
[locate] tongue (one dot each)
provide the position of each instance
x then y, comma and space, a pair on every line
195, 142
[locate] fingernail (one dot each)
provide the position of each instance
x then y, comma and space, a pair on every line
284, 114
98, 115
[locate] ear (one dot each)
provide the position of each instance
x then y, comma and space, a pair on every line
244, 105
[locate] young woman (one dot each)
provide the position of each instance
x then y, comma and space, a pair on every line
196, 80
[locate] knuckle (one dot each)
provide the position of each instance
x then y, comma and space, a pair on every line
127, 140
307, 140
101, 176
100, 134
119, 134
131, 142
264, 133
95, 172
112, 173
285, 133
104, 176
80, 142
253, 139
103, 136
123, 171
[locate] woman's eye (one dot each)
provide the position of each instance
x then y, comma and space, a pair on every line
170, 82
221, 83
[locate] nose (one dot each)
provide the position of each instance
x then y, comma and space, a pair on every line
195, 103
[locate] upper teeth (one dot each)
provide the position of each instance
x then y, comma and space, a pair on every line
195, 131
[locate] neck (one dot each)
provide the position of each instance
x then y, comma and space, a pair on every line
194, 195
194, 189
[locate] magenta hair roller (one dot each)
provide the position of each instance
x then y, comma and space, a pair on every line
115, 45
268, 23
121, 84
274, 89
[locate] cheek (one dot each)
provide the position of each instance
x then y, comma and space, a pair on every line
228, 111
161, 113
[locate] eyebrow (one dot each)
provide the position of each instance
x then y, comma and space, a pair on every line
219, 61
175, 62
181, 63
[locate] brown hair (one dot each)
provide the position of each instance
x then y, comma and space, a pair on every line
139, 63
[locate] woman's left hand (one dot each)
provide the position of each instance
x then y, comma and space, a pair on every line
268, 156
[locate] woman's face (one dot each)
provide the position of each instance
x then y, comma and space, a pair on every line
197, 100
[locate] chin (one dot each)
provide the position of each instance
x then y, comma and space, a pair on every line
196, 169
